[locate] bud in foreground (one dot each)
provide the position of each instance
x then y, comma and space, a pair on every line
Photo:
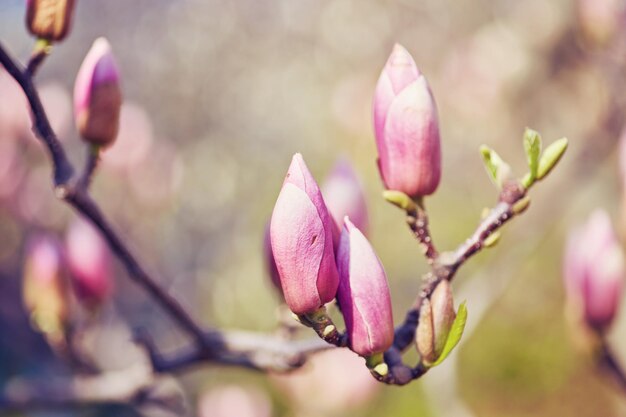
301, 233
406, 127
44, 292
90, 264
436, 318
97, 96
343, 195
363, 294
594, 271
49, 19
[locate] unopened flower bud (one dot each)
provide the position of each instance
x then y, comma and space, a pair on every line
363, 294
97, 96
436, 318
90, 264
49, 19
301, 233
44, 292
594, 271
406, 127
344, 196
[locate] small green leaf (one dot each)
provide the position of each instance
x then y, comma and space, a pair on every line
400, 199
532, 146
498, 170
551, 157
455, 333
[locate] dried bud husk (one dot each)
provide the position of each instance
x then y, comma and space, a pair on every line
49, 19
436, 318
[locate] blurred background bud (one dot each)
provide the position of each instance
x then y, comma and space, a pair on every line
593, 272
234, 400
97, 95
330, 384
599, 20
301, 232
363, 294
344, 196
44, 289
49, 19
89, 263
406, 126
436, 318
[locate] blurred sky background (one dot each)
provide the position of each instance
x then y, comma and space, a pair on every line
219, 95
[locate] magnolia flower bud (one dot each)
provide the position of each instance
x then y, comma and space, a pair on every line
301, 233
436, 318
594, 272
97, 96
344, 196
270, 263
406, 128
363, 294
49, 19
44, 292
90, 264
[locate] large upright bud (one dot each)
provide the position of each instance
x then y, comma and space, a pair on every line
90, 264
363, 294
44, 292
97, 96
436, 318
301, 233
49, 19
344, 196
594, 271
406, 128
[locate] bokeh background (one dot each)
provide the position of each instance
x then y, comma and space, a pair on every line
218, 96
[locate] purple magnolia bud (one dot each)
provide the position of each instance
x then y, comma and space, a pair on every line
90, 264
406, 128
301, 233
49, 19
44, 292
270, 263
436, 318
594, 271
97, 95
344, 196
363, 293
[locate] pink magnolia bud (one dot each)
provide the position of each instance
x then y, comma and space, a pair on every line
90, 264
436, 318
49, 19
344, 196
363, 293
406, 128
44, 292
301, 233
594, 271
270, 263
97, 95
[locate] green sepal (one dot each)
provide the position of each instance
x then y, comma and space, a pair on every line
456, 331
532, 147
551, 157
400, 199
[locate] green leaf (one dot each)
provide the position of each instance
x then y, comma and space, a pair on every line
532, 146
498, 170
455, 333
551, 157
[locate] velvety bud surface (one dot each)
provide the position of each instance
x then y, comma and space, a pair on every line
363, 293
49, 19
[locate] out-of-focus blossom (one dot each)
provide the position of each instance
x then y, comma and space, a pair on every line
331, 383
14, 112
44, 292
97, 95
49, 19
134, 140
594, 271
600, 19
234, 401
406, 126
301, 233
436, 318
363, 294
270, 263
344, 196
90, 264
